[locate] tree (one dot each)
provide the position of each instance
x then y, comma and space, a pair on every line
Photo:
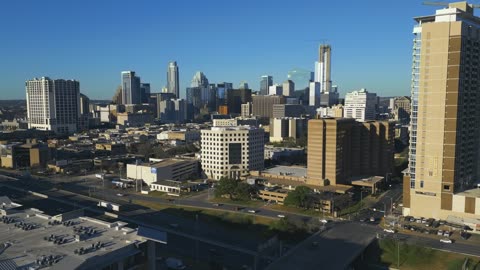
234, 189
225, 186
243, 191
298, 197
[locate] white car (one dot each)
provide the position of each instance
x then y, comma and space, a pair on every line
281, 216
324, 221
120, 194
446, 240
389, 230
252, 211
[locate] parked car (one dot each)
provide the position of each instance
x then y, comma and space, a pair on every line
372, 219
446, 240
252, 211
280, 216
389, 230
465, 235
217, 204
324, 221
446, 233
440, 232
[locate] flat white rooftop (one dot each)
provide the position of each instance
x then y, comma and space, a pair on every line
28, 236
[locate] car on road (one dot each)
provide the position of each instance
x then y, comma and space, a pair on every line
253, 211
120, 194
324, 221
446, 240
280, 216
440, 232
389, 230
362, 220
173, 225
217, 204
372, 219
446, 233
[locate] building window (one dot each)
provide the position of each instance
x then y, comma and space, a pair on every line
412, 184
421, 183
446, 187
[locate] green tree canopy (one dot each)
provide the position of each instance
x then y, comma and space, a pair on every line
298, 197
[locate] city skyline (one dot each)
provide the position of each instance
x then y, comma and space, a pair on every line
99, 52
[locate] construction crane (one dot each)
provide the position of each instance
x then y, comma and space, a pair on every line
445, 4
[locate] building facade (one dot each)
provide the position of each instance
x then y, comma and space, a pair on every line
265, 82
287, 128
53, 105
262, 106
340, 149
288, 88
231, 151
275, 90
166, 169
314, 94
173, 83
287, 110
444, 131
131, 92
235, 99
360, 105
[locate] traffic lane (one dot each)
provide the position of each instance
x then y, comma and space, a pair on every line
209, 253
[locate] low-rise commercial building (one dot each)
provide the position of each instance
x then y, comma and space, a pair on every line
134, 119
73, 241
172, 187
276, 153
166, 169
113, 149
188, 136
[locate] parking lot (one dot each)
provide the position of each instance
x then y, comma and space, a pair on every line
432, 228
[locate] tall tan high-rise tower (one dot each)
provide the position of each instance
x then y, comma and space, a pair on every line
445, 116
323, 68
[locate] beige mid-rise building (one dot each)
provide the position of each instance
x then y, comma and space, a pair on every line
445, 115
342, 149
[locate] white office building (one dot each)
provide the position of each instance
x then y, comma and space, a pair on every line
231, 151
314, 94
53, 104
275, 90
360, 105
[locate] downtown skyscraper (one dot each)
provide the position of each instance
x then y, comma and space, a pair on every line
323, 68
131, 91
445, 115
173, 84
265, 83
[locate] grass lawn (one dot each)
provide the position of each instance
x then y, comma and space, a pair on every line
416, 258
259, 226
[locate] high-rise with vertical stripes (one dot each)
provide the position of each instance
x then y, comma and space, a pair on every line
445, 116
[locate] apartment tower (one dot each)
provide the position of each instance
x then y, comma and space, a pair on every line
445, 116
53, 104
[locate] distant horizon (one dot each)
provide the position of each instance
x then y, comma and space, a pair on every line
371, 45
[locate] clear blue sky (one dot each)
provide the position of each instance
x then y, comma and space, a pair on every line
94, 40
